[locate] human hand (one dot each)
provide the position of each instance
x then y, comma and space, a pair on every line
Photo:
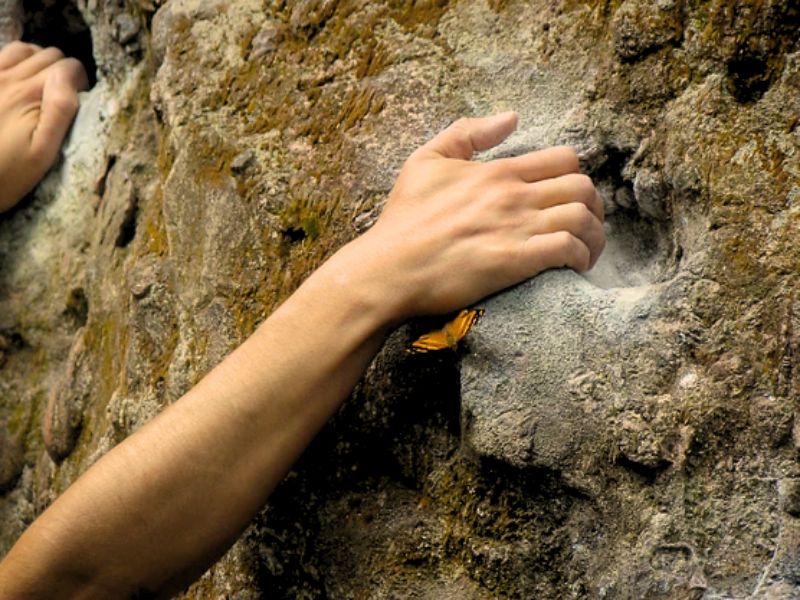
454, 231
38, 100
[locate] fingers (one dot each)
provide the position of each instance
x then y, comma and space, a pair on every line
59, 105
565, 189
542, 164
74, 73
467, 136
567, 229
36, 63
14, 53
77, 74
577, 220
30, 91
555, 250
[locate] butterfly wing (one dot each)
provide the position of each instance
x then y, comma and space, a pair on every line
449, 335
435, 340
460, 326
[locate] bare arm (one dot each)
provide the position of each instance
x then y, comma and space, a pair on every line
159, 508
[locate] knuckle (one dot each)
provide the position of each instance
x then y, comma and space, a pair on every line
417, 155
66, 104
588, 216
501, 195
72, 71
569, 157
544, 222
581, 255
538, 194
55, 52
461, 125
570, 153
577, 252
14, 46
583, 217
63, 102
460, 135
73, 65
494, 169
584, 186
565, 241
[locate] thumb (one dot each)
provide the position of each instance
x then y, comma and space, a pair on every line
59, 105
469, 135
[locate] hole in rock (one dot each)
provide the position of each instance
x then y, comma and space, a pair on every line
77, 307
18, 342
10, 342
637, 252
639, 248
649, 472
127, 229
294, 234
749, 77
59, 23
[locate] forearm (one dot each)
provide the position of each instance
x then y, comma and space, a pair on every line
160, 507
168, 501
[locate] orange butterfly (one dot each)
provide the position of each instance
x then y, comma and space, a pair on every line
449, 335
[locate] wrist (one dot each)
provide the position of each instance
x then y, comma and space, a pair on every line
363, 278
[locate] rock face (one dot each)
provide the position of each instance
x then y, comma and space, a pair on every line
630, 433
10, 21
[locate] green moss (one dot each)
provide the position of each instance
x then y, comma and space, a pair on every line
605, 7
421, 17
18, 421
151, 222
106, 340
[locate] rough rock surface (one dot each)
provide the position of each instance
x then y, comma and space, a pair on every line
10, 21
631, 433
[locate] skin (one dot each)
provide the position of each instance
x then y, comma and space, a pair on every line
38, 100
163, 505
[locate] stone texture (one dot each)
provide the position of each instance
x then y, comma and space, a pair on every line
641, 27
64, 413
11, 16
11, 458
630, 433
